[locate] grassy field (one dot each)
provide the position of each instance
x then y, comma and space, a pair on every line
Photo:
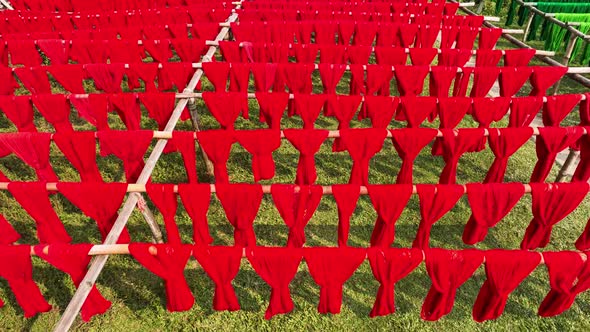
138, 296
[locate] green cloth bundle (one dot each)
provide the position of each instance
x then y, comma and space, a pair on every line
556, 35
523, 11
554, 7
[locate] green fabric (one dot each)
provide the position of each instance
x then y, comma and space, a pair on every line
553, 7
499, 5
584, 28
523, 11
557, 37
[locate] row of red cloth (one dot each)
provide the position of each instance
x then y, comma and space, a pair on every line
330, 268
382, 7
106, 77
100, 6
86, 51
365, 33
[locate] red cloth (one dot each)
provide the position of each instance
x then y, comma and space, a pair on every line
107, 77
489, 203
34, 198
241, 203
19, 275
7, 233
217, 145
167, 263
239, 77
410, 79
260, 144
231, 51
582, 173
225, 106
408, 143
221, 265
358, 55
505, 270
364, 33
55, 109
378, 80
164, 198
325, 33
422, 56
569, 275
159, 50
441, 79
7, 81
34, 79
330, 75
557, 108
196, 199
357, 80
297, 76
189, 50
390, 56
19, 110
159, 106
218, 74
93, 109
380, 109
264, 75
55, 49
483, 80
466, 37
296, 206
454, 145
488, 110
504, 142
543, 78
308, 107
85, 51
174, 74
448, 270
277, 267
448, 36
550, 142
451, 112
407, 35
488, 38
305, 53
71, 77
518, 57
389, 202
346, 197
435, 202
147, 72
80, 149
427, 36
23, 52
512, 79
33, 150
390, 266
99, 201
487, 58
127, 107
523, 111
453, 57
415, 110
74, 260
184, 142
125, 51
307, 142
343, 108
272, 107
362, 145
330, 268
585, 111
551, 204
129, 146
462, 82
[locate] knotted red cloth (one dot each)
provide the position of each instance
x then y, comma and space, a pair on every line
558, 108
167, 263
277, 267
454, 145
129, 146
504, 142
441, 79
362, 145
569, 275
226, 106
221, 265
308, 107
93, 109
551, 204
330, 74
184, 142
19, 110
512, 79
34, 198
99, 201
389, 202
346, 197
296, 206
416, 110
488, 110
217, 73
127, 107
543, 78
272, 107
330, 268
217, 145
241, 203
523, 111
164, 198
550, 142
19, 275
343, 108
408, 143
80, 149
196, 199
379, 109
435, 202
55, 109
390, 266
107, 77
74, 260
410, 79
33, 150
159, 106
307, 142
448, 270
451, 112
261, 144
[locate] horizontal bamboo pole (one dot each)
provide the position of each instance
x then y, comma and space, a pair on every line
553, 20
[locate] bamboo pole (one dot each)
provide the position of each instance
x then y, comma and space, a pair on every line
99, 262
6, 4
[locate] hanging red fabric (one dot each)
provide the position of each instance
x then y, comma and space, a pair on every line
7, 233
379, 109
551, 204
487, 110
505, 270
448, 270
159, 106
307, 142
569, 275
158, 49
435, 202
365, 32
55, 109
362, 145
466, 37
449, 36
462, 82
217, 145
107, 77
415, 110
127, 107
427, 35
551, 141
296, 206
221, 264
483, 80
389, 56
582, 173
389, 202
557, 108
80, 150
453, 57
218, 74
523, 111
451, 112
84, 50
55, 49
19, 275
453, 147
378, 80
272, 107
147, 72
488, 37
330, 75
332, 54
504, 142
196, 199
176, 74
519, 57
306, 53
512, 79
265, 75
167, 263
543, 78
129, 146
225, 106
330, 268
33, 150
74, 260
23, 52
489, 204
189, 50
93, 109
408, 143
343, 108
346, 197
125, 51
71, 77
390, 266
241, 203
34, 79
239, 77
357, 80
308, 107
325, 33
422, 56
441, 79
410, 79
487, 58
19, 110
260, 144
407, 35
164, 198
184, 142
7, 81
358, 55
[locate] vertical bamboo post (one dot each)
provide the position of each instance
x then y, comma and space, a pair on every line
150, 220
527, 29
99, 262
192, 107
480, 6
